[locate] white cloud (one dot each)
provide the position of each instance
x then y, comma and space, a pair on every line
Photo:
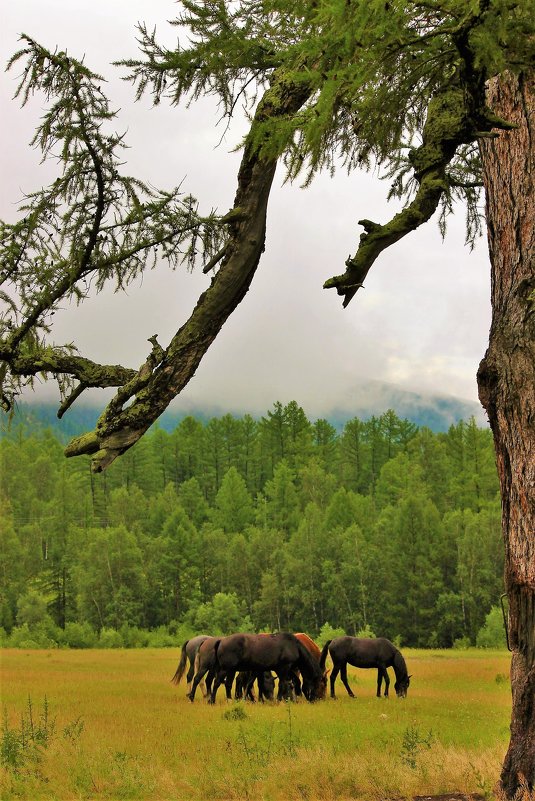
422, 320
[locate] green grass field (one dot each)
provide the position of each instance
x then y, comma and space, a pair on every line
116, 728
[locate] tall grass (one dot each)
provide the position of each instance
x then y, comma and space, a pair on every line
133, 735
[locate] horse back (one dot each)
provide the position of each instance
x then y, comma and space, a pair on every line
205, 656
256, 651
363, 651
309, 644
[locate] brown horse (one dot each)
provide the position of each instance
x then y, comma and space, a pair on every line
205, 666
315, 651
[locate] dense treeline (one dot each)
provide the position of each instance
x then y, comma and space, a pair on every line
277, 523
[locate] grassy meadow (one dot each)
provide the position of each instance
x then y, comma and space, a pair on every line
114, 727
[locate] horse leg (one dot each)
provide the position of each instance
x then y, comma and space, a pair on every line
218, 681
285, 685
387, 681
334, 673
343, 676
296, 683
239, 688
379, 681
190, 674
249, 694
198, 677
229, 680
208, 683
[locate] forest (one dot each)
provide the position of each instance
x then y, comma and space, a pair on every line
235, 523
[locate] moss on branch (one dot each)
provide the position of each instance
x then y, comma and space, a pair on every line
453, 119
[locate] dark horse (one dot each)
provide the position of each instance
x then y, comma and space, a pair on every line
189, 651
205, 668
377, 653
282, 653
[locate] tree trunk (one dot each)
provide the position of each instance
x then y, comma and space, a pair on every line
506, 380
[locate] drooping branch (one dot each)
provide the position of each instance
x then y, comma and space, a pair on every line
91, 226
118, 428
457, 115
451, 122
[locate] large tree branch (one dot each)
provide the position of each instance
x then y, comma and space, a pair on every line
456, 115
450, 123
118, 428
86, 371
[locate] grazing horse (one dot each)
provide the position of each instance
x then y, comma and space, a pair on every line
282, 653
315, 651
189, 651
205, 665
376, 652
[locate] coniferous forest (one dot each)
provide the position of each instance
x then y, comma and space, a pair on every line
237, 523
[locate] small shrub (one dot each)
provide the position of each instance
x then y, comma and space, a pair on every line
27, 636
161, 638
236, 713
462, 643
366, 632
413, 743
20, 746
134, 637
109, 638
492, 635
79, 635
328, 632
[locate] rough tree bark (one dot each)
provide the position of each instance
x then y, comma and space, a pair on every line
506, 381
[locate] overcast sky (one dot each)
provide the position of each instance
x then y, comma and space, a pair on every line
421, 322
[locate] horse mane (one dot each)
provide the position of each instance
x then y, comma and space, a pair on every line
307, 661
399, 665
181, 665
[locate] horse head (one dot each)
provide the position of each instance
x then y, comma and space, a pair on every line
321, 690
315, 689
402, 686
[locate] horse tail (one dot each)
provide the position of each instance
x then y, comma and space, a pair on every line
323, 656
181, 665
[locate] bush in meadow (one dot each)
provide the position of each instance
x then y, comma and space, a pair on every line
26, 636
161, 638
110, 638
79, 635
134, 637
492, 635
328, 632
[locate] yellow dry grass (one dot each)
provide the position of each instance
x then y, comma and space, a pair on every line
142, 739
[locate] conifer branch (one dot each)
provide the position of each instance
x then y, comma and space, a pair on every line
91, 226
160, 380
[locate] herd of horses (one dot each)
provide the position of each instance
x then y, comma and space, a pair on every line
297, 661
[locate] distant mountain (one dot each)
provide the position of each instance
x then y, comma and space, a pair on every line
437, 412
